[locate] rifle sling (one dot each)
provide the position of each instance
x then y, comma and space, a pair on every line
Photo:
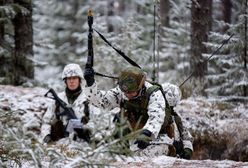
129, 60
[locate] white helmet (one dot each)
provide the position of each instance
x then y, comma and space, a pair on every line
72, 70
172, 93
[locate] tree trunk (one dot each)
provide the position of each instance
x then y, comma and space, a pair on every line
200, 26
245, 87
2, 2
164, 12
226, 13
1, 22
23, 67
110, 14
2, 55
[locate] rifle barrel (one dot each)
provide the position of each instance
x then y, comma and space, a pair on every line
90, 58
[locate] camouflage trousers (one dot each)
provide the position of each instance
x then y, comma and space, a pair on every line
151, 150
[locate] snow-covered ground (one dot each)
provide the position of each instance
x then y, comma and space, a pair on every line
170, 162
219, 129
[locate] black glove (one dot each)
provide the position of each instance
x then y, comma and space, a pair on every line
144, 139
83, 133
47, 138
187, 153
179, 147
89, 76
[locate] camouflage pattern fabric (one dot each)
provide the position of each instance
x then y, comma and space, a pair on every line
78, 106
155, 112
112, 98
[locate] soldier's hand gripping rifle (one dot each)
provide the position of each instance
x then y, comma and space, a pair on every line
68, 111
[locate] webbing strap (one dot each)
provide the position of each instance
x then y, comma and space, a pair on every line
169, 112
155, 88
168, 109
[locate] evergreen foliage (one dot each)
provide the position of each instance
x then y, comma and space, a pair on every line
227, 73
175, 43
7, 13
21, 147
13, 71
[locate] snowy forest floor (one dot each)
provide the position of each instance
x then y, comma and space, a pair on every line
219, 128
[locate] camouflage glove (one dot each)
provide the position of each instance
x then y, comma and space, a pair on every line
47, 138
89, 76
143, 139
187, 153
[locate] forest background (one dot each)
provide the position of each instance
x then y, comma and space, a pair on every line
170, 39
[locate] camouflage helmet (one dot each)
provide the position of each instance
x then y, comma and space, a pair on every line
72, 70
131, 79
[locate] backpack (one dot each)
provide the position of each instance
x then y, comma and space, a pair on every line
170, 115
138, 107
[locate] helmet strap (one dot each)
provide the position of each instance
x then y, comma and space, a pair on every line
142, 82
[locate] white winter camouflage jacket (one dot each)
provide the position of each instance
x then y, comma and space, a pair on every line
156, 107
78, 107
112, 98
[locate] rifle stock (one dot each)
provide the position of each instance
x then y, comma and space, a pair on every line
68, 111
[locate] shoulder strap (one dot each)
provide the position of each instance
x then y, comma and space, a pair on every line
85, 119
57, 111
155, 87
152, 89
168, 109
86, 108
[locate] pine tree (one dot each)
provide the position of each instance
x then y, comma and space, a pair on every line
228, 71
129, 36
16, 42
175, 45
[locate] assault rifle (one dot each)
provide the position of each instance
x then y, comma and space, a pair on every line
68, 111
74, 124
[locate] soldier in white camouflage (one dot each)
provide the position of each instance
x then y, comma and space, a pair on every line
53, 126
183, 141
143, 111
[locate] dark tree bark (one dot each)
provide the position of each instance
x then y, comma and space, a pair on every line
1, 22
110, 14
226, 13
3, 60
2, 2
122, 7
245, 87
23, 67
164, 12
200, 26
245, 46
